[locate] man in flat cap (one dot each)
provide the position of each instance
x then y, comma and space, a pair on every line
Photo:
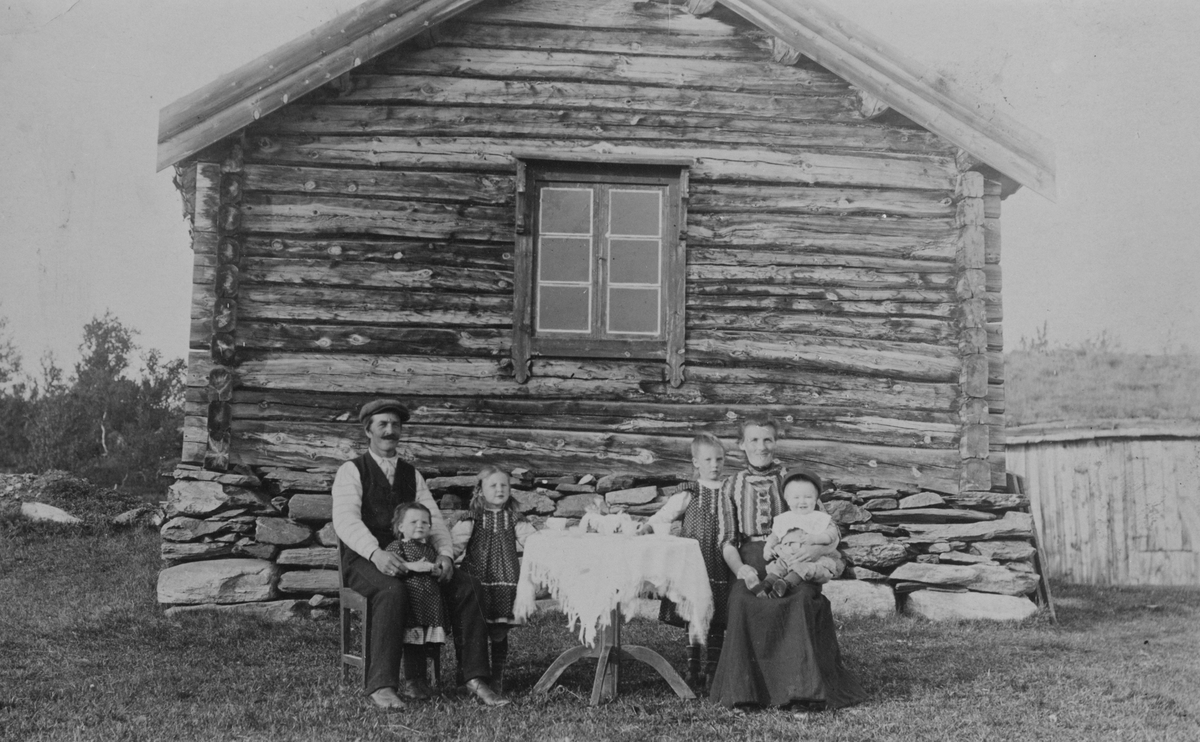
366, 492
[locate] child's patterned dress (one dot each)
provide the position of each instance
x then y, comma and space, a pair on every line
491, 558
425, 619
708, 519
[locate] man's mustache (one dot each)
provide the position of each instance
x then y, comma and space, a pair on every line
391, 437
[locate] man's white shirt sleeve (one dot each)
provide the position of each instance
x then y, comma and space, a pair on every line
347, 512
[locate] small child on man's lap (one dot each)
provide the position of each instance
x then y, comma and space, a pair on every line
802, 524
486, 541
425, 620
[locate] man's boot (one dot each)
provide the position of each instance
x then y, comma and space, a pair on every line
499, 651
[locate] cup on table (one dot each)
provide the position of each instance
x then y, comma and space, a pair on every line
661, 529
556, 524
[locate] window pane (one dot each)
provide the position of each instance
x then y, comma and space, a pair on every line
567, 210
635, 212
563, 308
633, 261
633, 311
564, 259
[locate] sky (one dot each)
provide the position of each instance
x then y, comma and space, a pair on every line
88, 226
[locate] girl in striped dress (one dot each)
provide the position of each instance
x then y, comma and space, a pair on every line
486, 540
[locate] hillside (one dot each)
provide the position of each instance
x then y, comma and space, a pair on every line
1084, 384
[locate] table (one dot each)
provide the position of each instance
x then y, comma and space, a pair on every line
594, 577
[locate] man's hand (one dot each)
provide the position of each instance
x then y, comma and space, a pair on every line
388, 563
445, 568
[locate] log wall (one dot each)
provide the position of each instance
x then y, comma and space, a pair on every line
1114, 506
839, 272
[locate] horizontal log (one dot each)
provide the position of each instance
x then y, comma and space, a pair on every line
918, 361
473, 188
577, 14
376, 340
284, 213
565, 95
711, 163
761, 76
373, 306
725, 198
917, 429
395, 252
409, 377
900, 329
787, 257
709, 277
593, 123
375, 275
919, 239
753, 305
323, 447
670, 41
830, 292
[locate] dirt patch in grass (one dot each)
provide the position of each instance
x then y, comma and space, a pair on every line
85, 653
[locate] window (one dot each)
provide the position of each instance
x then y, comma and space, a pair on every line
599, 262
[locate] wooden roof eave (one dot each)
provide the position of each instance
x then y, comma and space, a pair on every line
258, 88
870, 64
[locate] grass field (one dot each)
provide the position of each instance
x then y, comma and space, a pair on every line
85, 653
1091, 384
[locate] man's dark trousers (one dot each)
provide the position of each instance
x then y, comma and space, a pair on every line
386, 598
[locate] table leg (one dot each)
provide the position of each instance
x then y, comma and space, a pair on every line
608, 667
565, 660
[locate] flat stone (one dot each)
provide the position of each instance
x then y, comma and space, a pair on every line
939, 548
575, 489
878, 528
311, 508
845, 513
587, 479
922, 500
444, 483
880, 503
533, 502
839, 495
316, 556
203, 475
171, 551
190, 529
855, 598
275, 611
862, 573
977, 577
967, 606
218, 581
554, 495
649, 508
634, 496
927, 558
573, 506
874, 551
958, 557
521, 475
251, 548
1005, 551
40, 511
321, 601
1013, 524
281, 531
934, 515
612, 482
327, 536
310, 581
230, 514
198, 498
871, 494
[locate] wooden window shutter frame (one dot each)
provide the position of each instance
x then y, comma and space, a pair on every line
669, 347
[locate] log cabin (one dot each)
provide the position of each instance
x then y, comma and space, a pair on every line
572, 233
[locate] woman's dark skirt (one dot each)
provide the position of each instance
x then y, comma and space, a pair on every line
780, 651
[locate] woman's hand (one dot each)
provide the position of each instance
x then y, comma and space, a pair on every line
749, 575
768, 552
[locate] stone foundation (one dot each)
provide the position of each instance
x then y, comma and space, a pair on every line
234, 538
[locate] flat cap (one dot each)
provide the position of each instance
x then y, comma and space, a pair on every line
374, 407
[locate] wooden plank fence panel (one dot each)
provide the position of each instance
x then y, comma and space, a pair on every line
1119, 508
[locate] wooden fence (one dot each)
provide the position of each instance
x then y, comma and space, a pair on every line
1115, 503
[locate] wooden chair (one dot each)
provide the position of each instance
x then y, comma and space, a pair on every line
351, 602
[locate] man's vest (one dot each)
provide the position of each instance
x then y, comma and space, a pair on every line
380, 499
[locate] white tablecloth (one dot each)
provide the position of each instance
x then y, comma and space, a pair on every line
589, 574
